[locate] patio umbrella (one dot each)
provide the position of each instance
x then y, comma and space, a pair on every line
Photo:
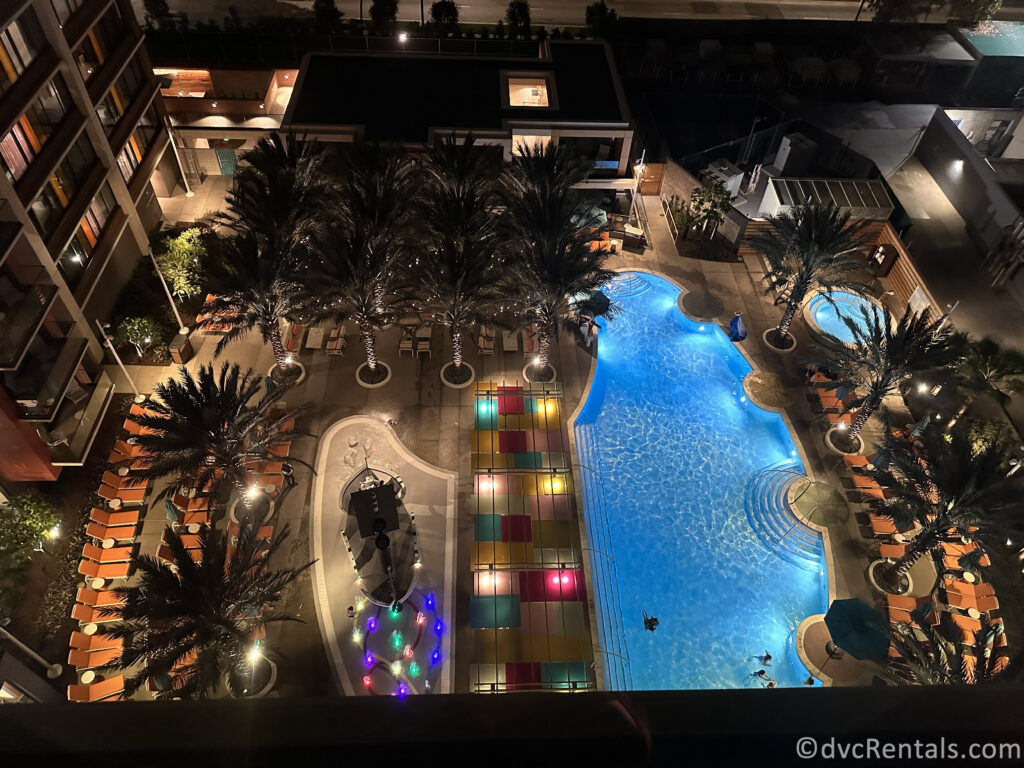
596, 302
858, 629
737, 330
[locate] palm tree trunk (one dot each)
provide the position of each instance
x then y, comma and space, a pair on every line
456, 347
782, 330
277, 346
543, 347
960, 412
369, 338
862, 417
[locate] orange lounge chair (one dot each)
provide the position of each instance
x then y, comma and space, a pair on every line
899, 616
882, 526
892, 551
94, 570
115, 480
280, 449
114, 519
99, 598
138, 410
164, 553
190, 540
86, 659
966, 623
112, 555
117, 532
130, 449
836, 419
119, 459
105, 690
126, 495
904, 603
87, 614
264, 533
863, 481
196, 518
971, 590
984, 604
856, 460
195, 504
98, 642
134, 428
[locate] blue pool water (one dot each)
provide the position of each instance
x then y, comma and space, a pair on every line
829, 318
667, 448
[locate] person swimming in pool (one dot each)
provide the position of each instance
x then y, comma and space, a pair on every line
766, 660
650, 622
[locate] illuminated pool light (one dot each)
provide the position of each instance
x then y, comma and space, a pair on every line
430, 601
371, 624
438, 627
369, 659
435, 656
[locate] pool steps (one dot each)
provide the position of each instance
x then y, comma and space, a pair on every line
769, 514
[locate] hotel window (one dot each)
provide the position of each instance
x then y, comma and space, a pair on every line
75, 259
99, 42
20, 41
115, 103
20, 145
65, 9
48, 206
131, 155
528, 92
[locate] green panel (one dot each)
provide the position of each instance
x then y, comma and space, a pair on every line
494, 612
485, 413
528, 460
487, 527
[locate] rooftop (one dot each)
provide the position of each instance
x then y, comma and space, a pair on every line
403, 96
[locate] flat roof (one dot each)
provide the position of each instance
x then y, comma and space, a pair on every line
996, 38
922, 44
400, 97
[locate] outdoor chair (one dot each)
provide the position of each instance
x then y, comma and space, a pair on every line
118, 532
93, 570
510, 341
99, 598
104, 556
98, 642
90, 615
112, 519
336, 341
88, 659
407, 342
105, 690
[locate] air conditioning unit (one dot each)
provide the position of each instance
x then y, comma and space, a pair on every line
727, 174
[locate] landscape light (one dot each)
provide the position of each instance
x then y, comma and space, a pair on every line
214, 104
254, 654
54, 532
253, 490
289, 360
403, 37
262, 106
922, 388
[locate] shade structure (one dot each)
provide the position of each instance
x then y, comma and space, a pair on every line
858, 629
373, 504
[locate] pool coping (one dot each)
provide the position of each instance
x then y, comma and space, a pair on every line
798, 441
817, 333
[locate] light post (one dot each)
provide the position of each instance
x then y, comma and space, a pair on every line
639, 170
53, 671
182, 328
110, 345
950, 309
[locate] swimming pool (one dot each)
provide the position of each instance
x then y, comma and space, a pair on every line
667, 445
823, 316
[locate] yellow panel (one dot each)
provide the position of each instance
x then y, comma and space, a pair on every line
520, 552
556, 648
498, 646
555, 533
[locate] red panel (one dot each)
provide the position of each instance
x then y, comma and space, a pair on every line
507, 404
551, 586
512, 442
522, 672
516, 528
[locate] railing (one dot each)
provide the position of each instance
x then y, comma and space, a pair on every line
667, 209
611, 641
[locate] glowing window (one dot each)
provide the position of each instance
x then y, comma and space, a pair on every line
527, 92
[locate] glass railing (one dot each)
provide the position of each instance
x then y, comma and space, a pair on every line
21, 313
54, 381
74, 436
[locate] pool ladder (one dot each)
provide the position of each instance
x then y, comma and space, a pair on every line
770, 515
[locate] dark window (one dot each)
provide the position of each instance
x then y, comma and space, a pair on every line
100, 41
20, 41
20, 145
115, 103
65, 9
75, 259
48, 206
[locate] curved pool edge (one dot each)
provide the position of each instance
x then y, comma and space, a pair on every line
817, 333
798, 441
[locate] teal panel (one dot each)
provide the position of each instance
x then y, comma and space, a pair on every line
485, 413
494, 612
528, 460
531, 404
487, 527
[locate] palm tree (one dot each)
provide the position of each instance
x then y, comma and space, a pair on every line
553, 235
280, 194
808, 248
936, 661
882, 354
352, 287
210, 430
952, 486
459, 273
189, 624
987, 370
254, 288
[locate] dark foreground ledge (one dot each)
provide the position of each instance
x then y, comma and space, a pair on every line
755, 727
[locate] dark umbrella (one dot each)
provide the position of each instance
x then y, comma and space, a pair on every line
596, 302
858, 629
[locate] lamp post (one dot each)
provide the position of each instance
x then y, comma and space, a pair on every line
182, 328
53, 671
110, 345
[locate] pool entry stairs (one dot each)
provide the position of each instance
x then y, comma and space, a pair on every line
770, 515
528, 607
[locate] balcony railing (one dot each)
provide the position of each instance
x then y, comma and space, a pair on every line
71, 440
50, 382
22, 311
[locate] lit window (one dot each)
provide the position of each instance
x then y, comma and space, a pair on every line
536, 143
527, 92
